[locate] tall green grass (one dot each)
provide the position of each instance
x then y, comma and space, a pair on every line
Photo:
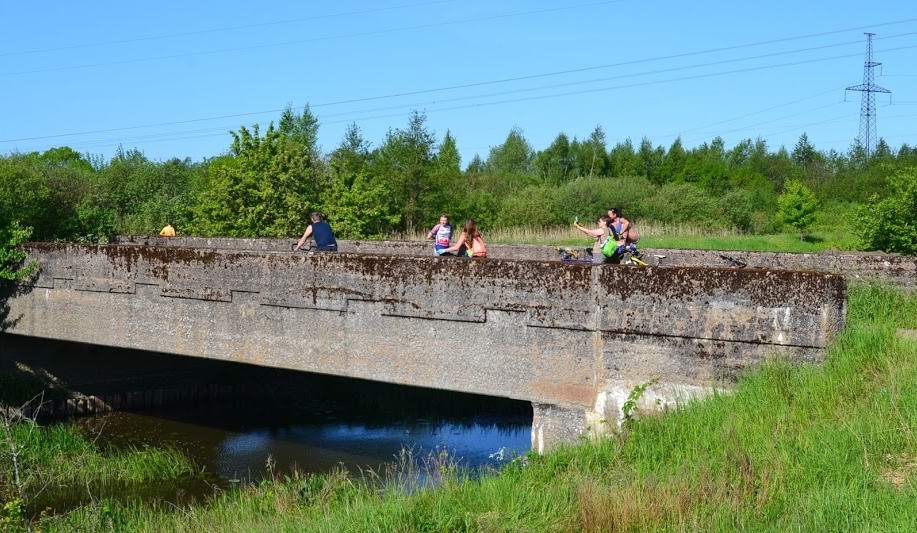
61, 457
691, 236
826, 447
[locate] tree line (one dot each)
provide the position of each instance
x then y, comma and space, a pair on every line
269, 179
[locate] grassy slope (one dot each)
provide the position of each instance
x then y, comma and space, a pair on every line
818, 448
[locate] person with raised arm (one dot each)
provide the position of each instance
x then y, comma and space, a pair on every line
601, 235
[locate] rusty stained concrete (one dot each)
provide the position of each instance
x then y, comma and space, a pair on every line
572, 339
894, 269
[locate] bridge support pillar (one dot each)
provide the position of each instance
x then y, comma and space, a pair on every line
553, 425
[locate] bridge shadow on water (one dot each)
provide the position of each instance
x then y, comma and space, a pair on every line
231, 417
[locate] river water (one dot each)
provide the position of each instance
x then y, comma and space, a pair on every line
234, 440
292, 420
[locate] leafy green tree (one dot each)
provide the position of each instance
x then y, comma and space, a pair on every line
890, 224
590, 157
353, 154
355, 201
883, 152
262, 191
65, 156
405, 163
555, 163
357, 206
673, 166
706, 166
651, 161
514, 156
797, 206
448, 180
447, 157
302, 131
302, 128
476, 166
623, 161
804, 154
138, 195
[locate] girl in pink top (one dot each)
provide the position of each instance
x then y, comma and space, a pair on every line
470, 242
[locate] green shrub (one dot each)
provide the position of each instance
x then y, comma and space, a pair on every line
532, 206
738, 207
95, 224
765, 223
683, 202
890, 224
11, 256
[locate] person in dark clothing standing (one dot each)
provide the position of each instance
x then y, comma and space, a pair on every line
322, 233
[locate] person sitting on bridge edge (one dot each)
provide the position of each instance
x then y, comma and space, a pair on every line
168, 231
322, 233
601, 234
470, 243
624, 232
441, 234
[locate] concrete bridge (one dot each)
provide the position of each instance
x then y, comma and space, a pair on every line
572, 339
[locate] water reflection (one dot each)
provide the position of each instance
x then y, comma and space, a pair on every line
234, 441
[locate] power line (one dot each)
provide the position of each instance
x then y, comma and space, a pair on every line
752, 113
836, 119
833, 120
489, 82
827, 121
314, 39
660, 71
771, 121
642, 84
225, 28
479, 19
669, 80
596, 80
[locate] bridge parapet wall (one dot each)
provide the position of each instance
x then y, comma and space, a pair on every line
572, 338
895, 269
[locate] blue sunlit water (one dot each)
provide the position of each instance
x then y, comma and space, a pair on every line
236, 443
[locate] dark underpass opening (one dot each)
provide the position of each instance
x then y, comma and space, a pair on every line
241, 422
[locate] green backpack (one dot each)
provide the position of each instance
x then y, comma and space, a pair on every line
610, 246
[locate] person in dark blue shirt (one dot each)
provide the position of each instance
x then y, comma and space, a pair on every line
321, 232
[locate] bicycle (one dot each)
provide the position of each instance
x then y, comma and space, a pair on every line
631, 256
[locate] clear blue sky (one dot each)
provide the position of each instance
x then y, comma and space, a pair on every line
62, 70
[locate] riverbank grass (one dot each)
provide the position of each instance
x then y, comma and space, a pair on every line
827, 447
61, 460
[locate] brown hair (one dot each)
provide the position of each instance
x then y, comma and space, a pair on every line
471, 230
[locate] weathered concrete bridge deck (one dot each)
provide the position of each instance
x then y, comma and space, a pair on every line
894, 269
571, 339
